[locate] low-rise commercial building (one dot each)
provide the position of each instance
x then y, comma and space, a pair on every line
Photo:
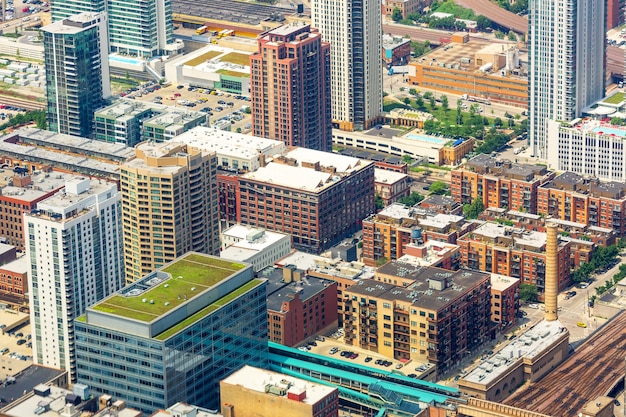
298, 306
441, 204
262, 393
526, 359
499, 183
258, 247
14, 278
585, 200
493, 72
173, 335
518, 253
418, 313
397, 50
391, 186
406, 7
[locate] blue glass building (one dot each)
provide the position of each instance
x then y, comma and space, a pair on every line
173, 335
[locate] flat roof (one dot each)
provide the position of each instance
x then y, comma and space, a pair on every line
502, 282
65, 26
343, 163
184, 410
419, 292
301, 260
396, 211
190, 274
520, 236
305, 179
388, 177
253, 238
65, 199
440, 220
229, 11
40, 185
230, 144
528, 345
20, 265
25, 381
256, 379
279, 291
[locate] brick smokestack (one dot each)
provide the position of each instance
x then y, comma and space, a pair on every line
552, 272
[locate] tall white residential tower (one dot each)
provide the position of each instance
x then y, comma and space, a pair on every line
567, 62
74, 242
354, 30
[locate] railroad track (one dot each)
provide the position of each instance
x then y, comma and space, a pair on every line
589, 373
22, 103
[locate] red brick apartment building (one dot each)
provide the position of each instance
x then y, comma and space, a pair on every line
318, 197
500, 183
14, 277
584, 200
386, 234
290, 87
513, 252
504, 301
298, 306
391, 186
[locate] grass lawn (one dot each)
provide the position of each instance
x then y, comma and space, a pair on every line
615, 98
192, 271
237, 58
202, 58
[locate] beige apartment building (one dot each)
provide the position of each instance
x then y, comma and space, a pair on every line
169, 205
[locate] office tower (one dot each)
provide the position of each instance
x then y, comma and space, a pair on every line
290, 88
77, 72
141, 28
136, 27
567, 61
74, 243
174, 334
354, 30
169, 205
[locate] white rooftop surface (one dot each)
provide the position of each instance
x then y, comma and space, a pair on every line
184, 410
396, 211
19, 265
41, 184
388, 177
341, 162
435, 251
154, 150
502, 282
27, 408
522, 214
440, 220
174, 116
301, 260
65, 199
5, 247
293, 177
240, 231
60, 28
523, 237
256, 379
235, 253
568, 223
88, 145
528, 345
229, 143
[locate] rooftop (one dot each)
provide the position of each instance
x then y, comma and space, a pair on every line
419, 292
486, 164
20, 265
390, 42
430, 253
25, 382
41, 184
502, 282
585, 185
256, 379
279, 290
181, 409
528, 345
158, 294
502, 234
388, 177
74, 24
231, 144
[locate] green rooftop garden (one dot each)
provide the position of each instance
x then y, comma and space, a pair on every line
237, 58
615, 98
190, 276
202, 58
233, 73
208, 309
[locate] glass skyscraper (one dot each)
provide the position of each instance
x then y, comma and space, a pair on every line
173, 335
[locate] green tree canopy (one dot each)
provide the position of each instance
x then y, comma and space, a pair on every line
528, 292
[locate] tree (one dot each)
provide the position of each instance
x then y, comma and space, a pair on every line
497, 122
413, 92
471, 211
439, 188
482, 23
378, 202
406, 100
431, 101
396, 15
512, 36
444, 103
528, 292
407, 159
412, 199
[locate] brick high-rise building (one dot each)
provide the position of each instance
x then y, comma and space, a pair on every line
290, 87
584, 200
169, 205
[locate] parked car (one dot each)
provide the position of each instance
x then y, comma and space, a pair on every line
333, 350
581, 324
535, 306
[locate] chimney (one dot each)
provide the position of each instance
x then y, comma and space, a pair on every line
262, 162
552, 272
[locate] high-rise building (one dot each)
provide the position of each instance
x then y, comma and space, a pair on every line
169, 205
74, 243
354, 30
77, 71
136, 27
174, 334
290, 88
567, 61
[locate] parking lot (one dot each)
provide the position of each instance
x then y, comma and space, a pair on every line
220, 106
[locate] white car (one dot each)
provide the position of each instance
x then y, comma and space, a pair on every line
535, 306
